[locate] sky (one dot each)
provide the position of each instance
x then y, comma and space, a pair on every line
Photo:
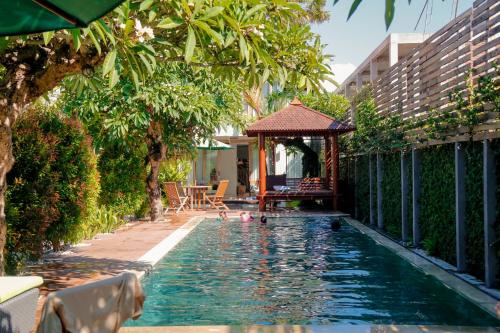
351, 42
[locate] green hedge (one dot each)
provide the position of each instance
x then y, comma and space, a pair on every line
474, 208
495, 146
362, 190
391, 193
437, 201
53, 187
123, 177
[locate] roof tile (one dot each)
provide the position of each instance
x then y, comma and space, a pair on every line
298, 119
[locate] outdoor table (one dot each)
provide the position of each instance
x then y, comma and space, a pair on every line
197, 194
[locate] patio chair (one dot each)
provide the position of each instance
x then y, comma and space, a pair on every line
175, 200
216, 200
182, 193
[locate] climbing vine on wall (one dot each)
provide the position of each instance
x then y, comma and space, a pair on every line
474, 243
437, 201
362, 190
391, 194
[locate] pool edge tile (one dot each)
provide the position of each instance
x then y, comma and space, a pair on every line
155, 254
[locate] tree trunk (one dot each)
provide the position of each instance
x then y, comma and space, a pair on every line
6, 162
156, 154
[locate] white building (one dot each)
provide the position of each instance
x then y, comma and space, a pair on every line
393, 48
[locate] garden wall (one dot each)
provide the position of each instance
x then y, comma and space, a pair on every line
437, 201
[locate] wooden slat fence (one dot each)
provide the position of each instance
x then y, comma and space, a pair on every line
424, 79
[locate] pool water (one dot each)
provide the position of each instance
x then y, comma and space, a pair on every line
294, 271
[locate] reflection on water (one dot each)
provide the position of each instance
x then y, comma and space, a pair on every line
294, 271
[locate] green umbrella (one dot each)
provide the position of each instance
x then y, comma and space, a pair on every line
214, 145
20, 17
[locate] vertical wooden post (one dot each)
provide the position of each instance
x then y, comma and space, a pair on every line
460, 206
328, 161
380, 173
489, 188
404, 197
415, 170
370, 180
262, 172
335, 169
273, 158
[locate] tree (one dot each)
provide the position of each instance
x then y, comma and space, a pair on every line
330, 103
177, 107
235, 39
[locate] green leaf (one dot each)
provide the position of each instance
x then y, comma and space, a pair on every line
354, 6
244, 54
253, 10
47, 36
151, 15
95, 41
190, 45
146, 63
75, 34
109, 62
170, 23
129, 27
211, 12
389, 12
113, 78
215, 35
145, 4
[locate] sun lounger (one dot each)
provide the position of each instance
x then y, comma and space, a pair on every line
18, 298
97, 307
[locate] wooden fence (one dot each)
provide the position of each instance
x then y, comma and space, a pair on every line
423, 80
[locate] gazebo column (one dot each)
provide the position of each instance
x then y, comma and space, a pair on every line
273, 157
262, 172
328, 161
335, 169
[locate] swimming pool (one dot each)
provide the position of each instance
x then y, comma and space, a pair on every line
294, 271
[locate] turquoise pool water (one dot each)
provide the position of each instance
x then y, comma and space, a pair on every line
294, 271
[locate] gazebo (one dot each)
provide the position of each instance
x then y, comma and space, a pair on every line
297, 120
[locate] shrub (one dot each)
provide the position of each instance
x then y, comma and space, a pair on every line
391, 193
437, 201
53, 186
474, 243
362, 189
123, 176
174, 170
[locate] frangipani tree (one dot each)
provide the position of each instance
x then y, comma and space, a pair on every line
235, 39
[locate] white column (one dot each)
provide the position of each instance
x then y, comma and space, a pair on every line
393, 53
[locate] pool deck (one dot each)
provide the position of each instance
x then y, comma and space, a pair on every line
138, 245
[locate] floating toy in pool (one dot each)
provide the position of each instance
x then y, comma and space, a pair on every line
246, 217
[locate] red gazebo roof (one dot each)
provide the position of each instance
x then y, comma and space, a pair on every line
298, 120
